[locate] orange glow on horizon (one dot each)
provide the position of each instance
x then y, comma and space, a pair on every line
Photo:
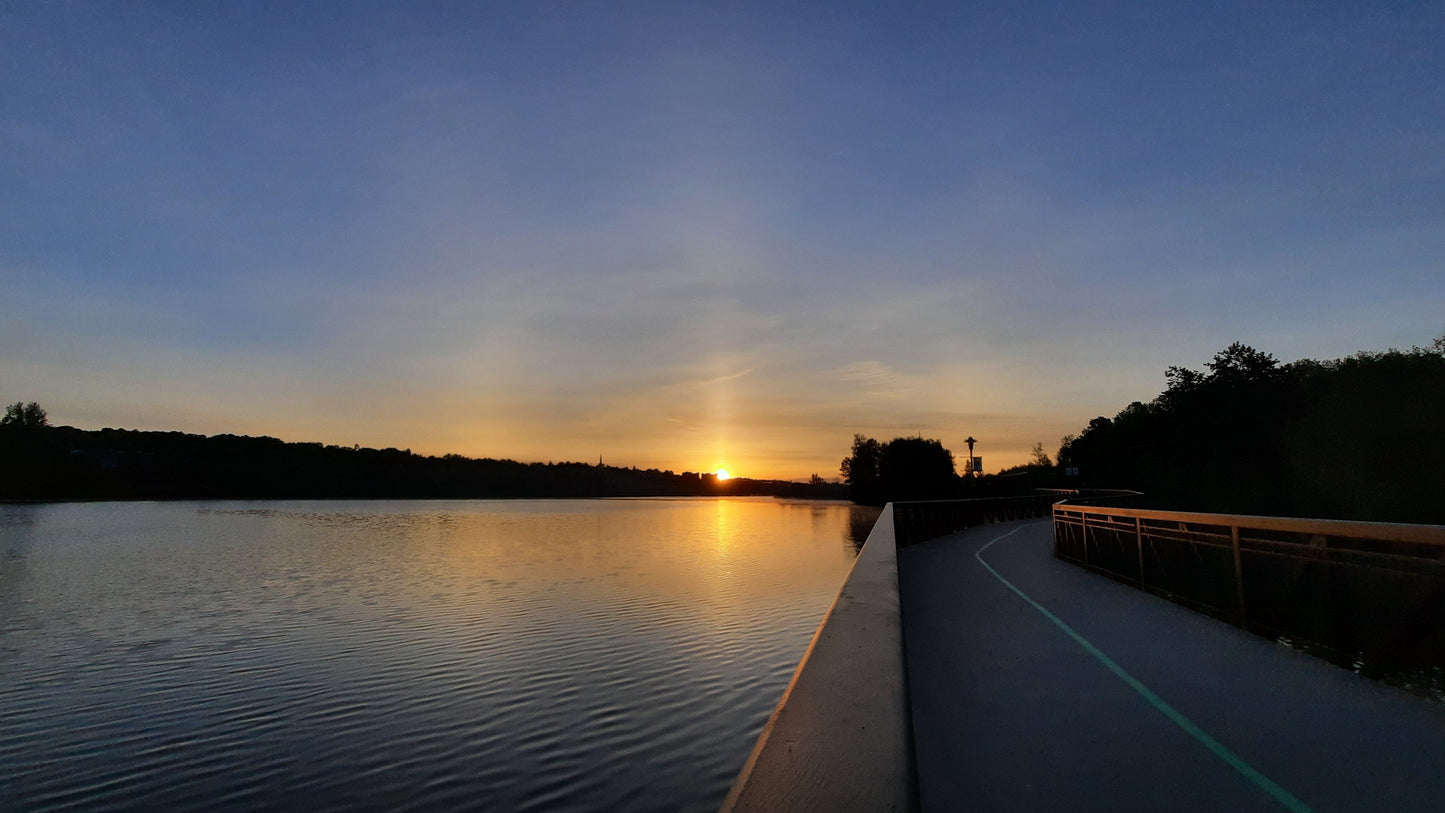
723, 474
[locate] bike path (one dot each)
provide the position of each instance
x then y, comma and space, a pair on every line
1037, 685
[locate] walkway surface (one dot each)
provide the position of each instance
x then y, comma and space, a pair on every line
1069, 691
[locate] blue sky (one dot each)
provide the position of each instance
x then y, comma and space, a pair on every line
700, 235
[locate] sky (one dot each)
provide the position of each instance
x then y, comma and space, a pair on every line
700, 235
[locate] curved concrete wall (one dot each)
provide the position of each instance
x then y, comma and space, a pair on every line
840, 739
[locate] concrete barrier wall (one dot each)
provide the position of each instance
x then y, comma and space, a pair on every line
841, 738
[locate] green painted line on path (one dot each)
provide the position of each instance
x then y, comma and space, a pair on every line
1216, 747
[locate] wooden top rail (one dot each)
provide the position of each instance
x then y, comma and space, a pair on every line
1400, 532
1038, 493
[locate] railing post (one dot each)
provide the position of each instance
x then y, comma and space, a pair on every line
1054, 525
1238, 574
1139, 541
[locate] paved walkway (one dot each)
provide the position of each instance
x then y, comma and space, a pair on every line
1069, 691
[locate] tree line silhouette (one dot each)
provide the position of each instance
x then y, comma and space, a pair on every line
43, 462
1359, 438
919, 468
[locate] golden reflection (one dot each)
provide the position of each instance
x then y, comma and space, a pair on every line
723, 535
720, 558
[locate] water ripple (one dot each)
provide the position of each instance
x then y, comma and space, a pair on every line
548, 655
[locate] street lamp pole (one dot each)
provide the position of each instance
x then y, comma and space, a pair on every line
971, 470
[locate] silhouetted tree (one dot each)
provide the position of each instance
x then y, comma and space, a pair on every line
903, 469
1038, 472
1059, 457
1241, 364
917, 469
1039, 457
25, 416
860, 469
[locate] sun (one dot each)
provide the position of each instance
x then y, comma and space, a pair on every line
723, 474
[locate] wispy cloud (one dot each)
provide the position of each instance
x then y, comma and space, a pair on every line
678, 233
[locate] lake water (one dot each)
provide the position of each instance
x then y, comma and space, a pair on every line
529, 655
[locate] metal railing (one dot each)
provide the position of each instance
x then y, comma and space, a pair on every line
921, 520
1367, 595
915, 522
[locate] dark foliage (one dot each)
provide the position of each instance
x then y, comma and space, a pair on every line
917, 469
68, 463
1355, 438
860, 470
903, 469
20, 415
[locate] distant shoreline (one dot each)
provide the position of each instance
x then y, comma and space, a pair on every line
66, 464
